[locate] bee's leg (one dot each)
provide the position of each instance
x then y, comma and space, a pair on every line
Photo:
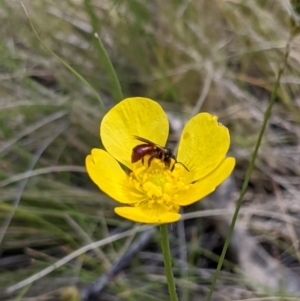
151, 159
175, 162
173, 166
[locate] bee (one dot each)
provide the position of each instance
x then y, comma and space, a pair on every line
155, 151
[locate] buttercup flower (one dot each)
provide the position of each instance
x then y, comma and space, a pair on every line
152, 191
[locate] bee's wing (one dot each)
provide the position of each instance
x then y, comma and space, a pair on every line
144, 140
149, 142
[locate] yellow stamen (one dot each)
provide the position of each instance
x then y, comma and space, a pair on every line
157, 184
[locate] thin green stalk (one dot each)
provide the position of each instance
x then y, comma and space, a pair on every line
22, 293
167, 261
250, 169
63, 61
103, 56
110, 69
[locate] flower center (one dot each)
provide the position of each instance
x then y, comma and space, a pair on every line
157, 184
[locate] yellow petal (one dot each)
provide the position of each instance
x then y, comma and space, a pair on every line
148, 216
206, 185
203, 145
135, 116
108, 175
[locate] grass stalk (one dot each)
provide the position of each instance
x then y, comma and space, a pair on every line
250, 168
105, 61
63, 62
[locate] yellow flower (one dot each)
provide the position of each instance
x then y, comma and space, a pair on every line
153, 193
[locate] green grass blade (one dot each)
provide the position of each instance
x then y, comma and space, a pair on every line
85, 82
105, 61
267, 115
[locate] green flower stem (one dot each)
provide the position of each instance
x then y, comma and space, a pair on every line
167, 261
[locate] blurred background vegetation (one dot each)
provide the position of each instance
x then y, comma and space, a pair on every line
220, 56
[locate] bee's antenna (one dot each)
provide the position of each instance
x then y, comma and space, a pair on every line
183, 166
